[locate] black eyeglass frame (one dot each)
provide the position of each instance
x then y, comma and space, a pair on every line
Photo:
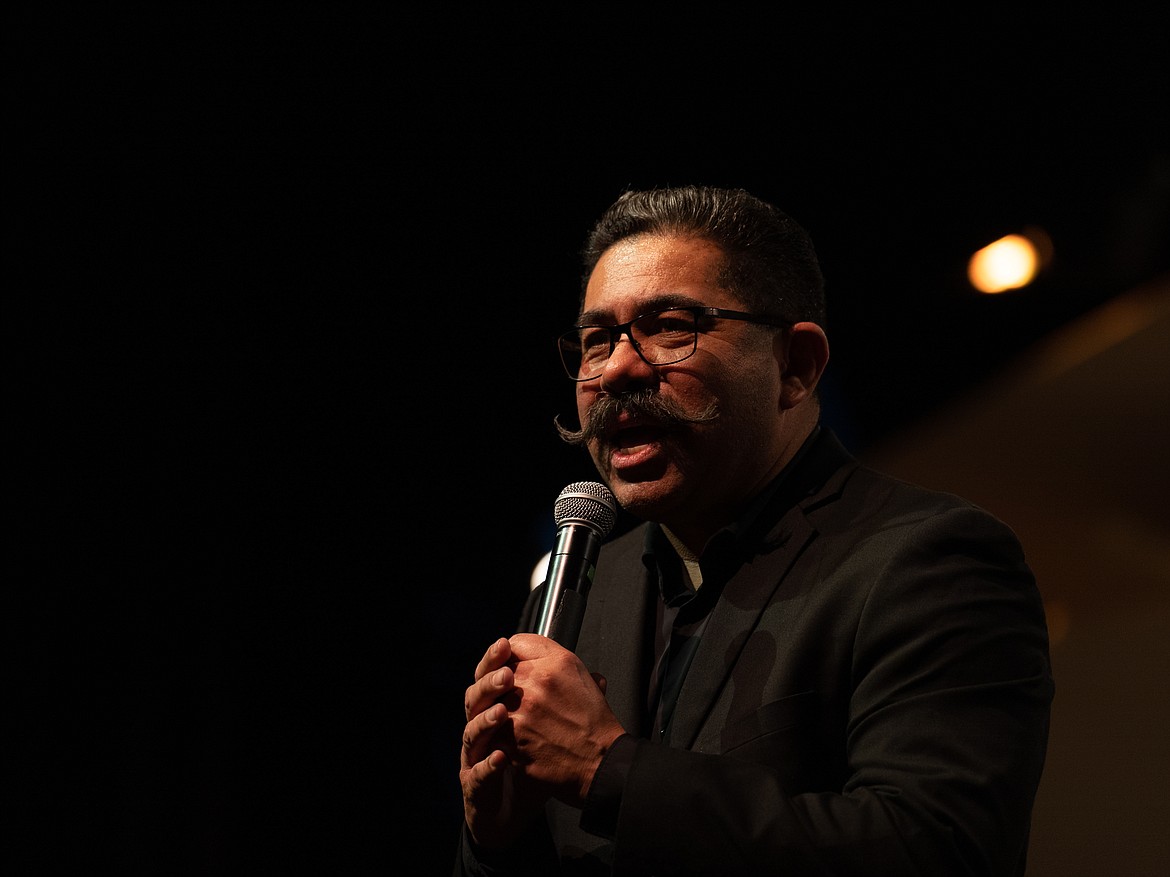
626, 328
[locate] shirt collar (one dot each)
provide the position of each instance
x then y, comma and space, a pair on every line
742, 535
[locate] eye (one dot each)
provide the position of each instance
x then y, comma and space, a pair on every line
594, 341
668, 327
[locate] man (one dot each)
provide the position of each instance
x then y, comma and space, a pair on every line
796, 665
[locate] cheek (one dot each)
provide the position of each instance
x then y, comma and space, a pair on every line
696, 390
760, 375
585, 398
748, 397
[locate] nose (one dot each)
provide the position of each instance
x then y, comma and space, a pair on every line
625, 366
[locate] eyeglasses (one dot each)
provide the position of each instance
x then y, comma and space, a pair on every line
660, 338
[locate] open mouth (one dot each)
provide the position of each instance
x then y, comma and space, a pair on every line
635, 436
636, 449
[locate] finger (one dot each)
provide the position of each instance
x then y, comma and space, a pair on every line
497, 655
492, 763
601, 681
483, 781
479, 734
526, 646
482, 694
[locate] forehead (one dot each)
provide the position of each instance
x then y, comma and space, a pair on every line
655, 270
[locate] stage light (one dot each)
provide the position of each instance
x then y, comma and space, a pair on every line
1011, 262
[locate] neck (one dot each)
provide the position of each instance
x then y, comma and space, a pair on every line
693, 533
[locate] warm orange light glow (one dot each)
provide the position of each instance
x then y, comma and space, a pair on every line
1008, 263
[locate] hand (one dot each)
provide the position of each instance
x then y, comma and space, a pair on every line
560, 723
526, 742
497, 801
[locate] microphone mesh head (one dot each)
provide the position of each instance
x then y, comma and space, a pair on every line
589, 503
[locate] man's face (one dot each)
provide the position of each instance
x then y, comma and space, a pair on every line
689, 476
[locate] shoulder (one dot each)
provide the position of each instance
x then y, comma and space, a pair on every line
889, 528
872, 502
623, 549
893, 544
838, 490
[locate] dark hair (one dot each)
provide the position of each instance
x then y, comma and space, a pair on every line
770, 263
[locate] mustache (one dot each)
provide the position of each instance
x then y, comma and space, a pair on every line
644, 403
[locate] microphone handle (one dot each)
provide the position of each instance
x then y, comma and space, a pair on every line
566, 623
570, 575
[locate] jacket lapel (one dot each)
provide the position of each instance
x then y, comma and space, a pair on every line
817, 480
615, 632
734, 617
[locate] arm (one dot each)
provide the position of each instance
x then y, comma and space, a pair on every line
940, 652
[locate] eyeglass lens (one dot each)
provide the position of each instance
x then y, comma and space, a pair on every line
661, 338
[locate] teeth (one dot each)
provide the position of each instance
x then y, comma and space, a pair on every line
633, 438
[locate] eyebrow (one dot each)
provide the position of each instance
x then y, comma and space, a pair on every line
660, 302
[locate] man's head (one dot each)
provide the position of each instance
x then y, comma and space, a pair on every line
688, 428
770, 263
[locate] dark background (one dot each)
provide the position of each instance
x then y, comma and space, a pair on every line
281, 305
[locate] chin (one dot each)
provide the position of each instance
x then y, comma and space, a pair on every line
649, 499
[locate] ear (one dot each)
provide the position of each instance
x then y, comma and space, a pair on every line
808, 354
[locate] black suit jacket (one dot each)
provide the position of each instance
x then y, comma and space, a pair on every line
871, 696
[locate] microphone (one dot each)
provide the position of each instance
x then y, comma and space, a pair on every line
584, 513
